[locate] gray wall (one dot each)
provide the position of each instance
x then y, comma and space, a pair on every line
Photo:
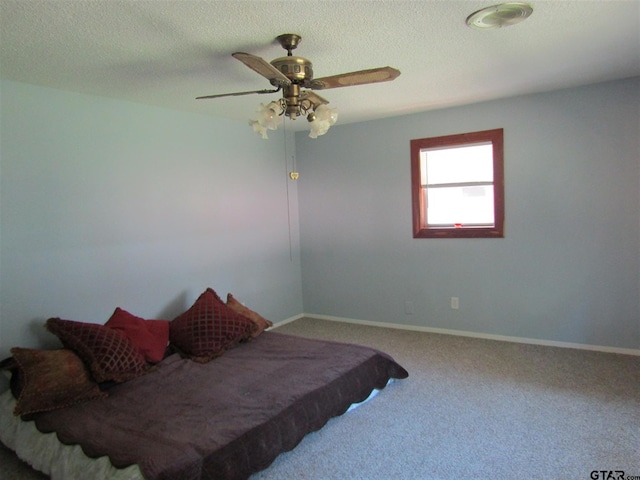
569, 266
106, 203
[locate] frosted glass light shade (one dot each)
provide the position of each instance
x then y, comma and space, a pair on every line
269, 116
327, 114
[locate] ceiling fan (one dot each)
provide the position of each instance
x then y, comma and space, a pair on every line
291, 74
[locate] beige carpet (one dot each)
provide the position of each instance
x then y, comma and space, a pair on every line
471, 408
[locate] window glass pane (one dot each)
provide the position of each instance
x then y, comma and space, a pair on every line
457, 185
463, 205
468, 163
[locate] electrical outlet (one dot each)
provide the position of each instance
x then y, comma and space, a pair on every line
455, 303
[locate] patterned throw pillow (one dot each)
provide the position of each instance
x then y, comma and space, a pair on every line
150, 337
260, 322
51, 379
208, 328
108, 354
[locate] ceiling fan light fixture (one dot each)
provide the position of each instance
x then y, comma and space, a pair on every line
259, 129
321, 119
326, 114
269, 118
498, 16
319, 116
291, 74
318, 128
270, 115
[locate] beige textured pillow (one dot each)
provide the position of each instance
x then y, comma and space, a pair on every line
260, 322
52, 379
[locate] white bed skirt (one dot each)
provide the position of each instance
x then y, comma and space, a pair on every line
45, 453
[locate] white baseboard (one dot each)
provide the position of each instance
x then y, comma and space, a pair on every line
485, 336
287, 320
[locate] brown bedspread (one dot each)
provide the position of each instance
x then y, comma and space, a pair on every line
230, 417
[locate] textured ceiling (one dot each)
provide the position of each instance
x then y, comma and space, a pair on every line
166, 53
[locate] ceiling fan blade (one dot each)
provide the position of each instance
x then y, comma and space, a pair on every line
313, 97
264, 68
237, 94
362, 77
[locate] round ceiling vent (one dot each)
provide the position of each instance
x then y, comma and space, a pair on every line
500, 16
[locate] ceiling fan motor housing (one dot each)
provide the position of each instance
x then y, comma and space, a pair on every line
291, 96
297, 69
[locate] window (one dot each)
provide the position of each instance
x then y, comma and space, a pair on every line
457, 186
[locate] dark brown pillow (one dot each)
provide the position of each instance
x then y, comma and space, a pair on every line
260, 322
208, 328
15, 383
109, 354
52, 379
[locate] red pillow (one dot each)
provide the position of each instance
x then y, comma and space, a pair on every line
150, 337
108, 354
208, 328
